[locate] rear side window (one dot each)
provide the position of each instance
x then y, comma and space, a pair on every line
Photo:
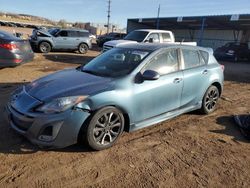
166, 37
83, 34
72, 33
191, 58
204, 57
164, 63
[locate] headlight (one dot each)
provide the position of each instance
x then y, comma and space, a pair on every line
60, 104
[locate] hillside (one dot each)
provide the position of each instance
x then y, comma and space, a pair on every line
24, 18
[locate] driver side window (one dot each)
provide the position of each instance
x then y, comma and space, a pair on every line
164, 63
63, 34
154, 36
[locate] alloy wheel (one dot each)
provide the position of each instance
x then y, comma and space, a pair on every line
83, 48
44, 47
211, 99
107, 128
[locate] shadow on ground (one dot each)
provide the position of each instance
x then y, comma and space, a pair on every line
69, 58
13, 143
230, 128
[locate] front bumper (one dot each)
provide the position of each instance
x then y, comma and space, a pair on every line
48, 130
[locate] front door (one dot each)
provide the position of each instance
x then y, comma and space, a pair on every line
155, 97
62, 40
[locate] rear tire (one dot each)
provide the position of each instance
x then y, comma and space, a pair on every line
83, 48
210, 100
104, 128
44, 47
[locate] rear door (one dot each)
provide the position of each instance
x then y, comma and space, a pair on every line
195, 76
74, 39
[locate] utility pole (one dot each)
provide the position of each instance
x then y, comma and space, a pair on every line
109, 5
158, 17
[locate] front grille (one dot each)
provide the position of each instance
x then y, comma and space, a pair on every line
106, 48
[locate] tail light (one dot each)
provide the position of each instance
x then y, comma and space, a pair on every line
9, 46
17, 60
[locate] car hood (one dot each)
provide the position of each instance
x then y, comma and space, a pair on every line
116, 43
71, 82
44, 33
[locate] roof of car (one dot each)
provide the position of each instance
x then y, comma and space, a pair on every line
154, 30
156, 46
75, 29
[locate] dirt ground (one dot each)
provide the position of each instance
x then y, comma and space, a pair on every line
191, 150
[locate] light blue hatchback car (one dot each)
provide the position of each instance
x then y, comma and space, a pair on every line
127, 88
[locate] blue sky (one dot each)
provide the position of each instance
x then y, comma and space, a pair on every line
96, 10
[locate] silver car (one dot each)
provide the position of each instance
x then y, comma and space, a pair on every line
61, 39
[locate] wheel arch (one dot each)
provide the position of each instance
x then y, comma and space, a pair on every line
124, 113
219, 86
92, 112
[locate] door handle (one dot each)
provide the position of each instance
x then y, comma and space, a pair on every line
77, 39
205, 72
64, 38
177, 80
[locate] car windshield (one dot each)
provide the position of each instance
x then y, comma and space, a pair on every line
138, 36
117, 62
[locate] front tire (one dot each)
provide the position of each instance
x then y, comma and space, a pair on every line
44, 47
104, 128
210, 100
83, 48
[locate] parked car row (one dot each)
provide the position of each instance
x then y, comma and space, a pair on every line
15, 51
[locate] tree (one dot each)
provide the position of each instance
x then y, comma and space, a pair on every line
62, 23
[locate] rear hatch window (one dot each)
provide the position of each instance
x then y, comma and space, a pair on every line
7, 36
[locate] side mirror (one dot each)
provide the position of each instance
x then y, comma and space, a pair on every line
151, 40
150, 75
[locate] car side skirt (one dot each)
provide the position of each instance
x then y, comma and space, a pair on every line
163, 117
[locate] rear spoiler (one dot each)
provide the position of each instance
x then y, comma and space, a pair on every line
210, 50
